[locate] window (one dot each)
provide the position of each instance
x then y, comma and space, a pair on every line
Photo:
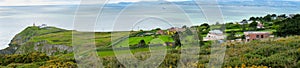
257, 36
262, 36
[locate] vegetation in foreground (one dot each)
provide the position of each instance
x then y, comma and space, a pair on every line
277, 53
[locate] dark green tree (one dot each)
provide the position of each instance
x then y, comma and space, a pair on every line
217, 23
204, 28
289, 26
252, 18
184, 26
282, 16
176, 38
231, 36
200, 32
253, 25
157, 29
244, 22
268, 18
273, 15
142, 43
205, 25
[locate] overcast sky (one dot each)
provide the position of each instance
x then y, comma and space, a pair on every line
66, 2
58, 2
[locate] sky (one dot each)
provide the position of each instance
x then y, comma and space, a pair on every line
58, 2
16, 15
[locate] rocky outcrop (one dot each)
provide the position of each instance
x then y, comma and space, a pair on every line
46, 48
54, 49
9, 50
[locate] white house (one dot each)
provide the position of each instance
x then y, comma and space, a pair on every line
43, 26
260, 25
214, 35
244, 22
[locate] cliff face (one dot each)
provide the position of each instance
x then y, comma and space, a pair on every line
35, 39
44, 47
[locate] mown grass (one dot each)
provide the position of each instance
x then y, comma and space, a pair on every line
54, 37
61, 38
136, 40
111, 52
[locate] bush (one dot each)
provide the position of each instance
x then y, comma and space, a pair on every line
23, 58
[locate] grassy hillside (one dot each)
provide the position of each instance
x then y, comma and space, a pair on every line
52, 40
277, 53
33, 31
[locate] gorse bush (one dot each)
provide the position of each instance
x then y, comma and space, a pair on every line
25, 58
278, 53
35, 60
60, 63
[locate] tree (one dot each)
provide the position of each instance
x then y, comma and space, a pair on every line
231, 36
267, 18
252, 18
199, 30
217, 23
244, 24
184, 26
232, 26
253, 25
157, 29
273, 15
204, 28
282, 16
176, 38
243, 37
289, 26
142, 43
205, 25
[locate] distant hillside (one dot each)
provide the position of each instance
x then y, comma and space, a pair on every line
49, 40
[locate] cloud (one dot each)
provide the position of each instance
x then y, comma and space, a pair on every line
117, 1
76, 2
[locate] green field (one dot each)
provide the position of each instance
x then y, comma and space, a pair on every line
147, 39
111, 52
